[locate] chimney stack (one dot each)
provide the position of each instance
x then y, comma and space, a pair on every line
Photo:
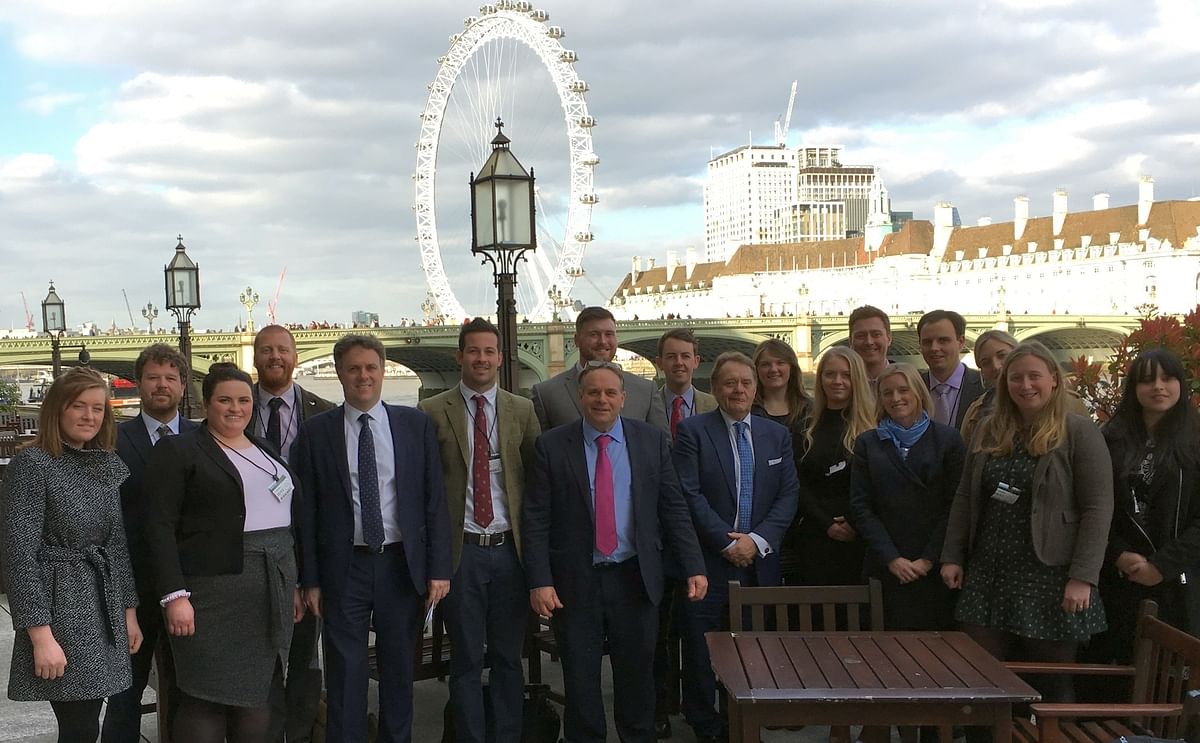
1060, 209
672, 263
649, 264
943, 226
690, 257
637, 268
1145, 198
1020, 216
1099, 202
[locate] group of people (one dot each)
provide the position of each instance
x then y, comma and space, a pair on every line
616, 509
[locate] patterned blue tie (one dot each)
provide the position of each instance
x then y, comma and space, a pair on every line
368, 486
746, 479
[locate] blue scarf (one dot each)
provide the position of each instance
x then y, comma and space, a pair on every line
903, 438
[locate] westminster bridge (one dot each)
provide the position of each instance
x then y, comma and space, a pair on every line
547, 348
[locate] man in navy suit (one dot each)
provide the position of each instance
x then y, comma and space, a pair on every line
739, 478
160, 372
603, 492
375, 540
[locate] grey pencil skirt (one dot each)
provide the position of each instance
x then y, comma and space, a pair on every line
243, 624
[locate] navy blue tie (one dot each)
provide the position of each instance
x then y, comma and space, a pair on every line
745, 479
368, 486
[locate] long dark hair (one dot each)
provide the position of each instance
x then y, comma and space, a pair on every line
1176, 434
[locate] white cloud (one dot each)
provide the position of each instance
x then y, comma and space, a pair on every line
45, 104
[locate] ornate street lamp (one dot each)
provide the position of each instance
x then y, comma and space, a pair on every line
183, 298
150, 312
502, 229
54, 324
249, 299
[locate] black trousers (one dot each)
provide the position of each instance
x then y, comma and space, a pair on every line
294, 705
613, 606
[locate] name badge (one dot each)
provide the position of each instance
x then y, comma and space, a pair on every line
282, 487
494, 464
1006, 493
836, 468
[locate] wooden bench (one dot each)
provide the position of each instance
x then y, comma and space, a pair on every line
432, 657
1165, 698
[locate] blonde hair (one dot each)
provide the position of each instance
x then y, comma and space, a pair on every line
66, 390
858, 410
998, 432
915, 383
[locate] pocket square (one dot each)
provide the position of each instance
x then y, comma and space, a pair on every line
773, 462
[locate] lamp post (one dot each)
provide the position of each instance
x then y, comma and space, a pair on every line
54, 324
150, 312
502, 229
249, 299
183, 298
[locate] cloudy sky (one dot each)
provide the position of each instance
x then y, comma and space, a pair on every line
273, 134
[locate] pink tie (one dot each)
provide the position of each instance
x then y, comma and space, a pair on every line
606, 515
676, 415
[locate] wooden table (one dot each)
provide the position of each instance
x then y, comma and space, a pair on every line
862, 678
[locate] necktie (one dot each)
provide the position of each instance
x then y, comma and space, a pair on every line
481, 483
941, 403
164, 431
745, 499
273, 428
368, 486
676, 414
606, 511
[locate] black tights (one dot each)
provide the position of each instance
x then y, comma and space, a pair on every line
199, 721
77, 721
1007, 646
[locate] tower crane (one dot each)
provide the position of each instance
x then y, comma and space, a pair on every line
781, 132
28, 317
275, 299
132, 322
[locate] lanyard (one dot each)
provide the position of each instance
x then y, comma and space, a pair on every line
491, 429
274, 474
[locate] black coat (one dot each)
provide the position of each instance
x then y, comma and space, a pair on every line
196, 508
1170, 541
824, 473
134, 447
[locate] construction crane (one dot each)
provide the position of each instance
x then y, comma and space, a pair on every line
132, 322
781, 132
28, 316
275, 299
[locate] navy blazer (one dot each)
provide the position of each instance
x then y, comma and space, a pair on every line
704, 460
559, 522
326, 512
133, 447
901, 506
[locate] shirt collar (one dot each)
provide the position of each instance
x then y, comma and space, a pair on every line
617, 432
469, 394
689, 396
730, 420
956, 378
152, 424
288, 396
377, 412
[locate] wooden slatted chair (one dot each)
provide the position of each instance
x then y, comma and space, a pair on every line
806, 608
1165, 698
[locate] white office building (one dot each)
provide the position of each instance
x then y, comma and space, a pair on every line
1108, 260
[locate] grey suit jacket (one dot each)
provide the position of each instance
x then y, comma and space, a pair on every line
557, 400
517, 430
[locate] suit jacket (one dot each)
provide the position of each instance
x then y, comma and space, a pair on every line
134, 447
901, 506
704, 403
1072, 503
196, 508
517, 430
326, 513
704, 460
972, 388
560, 523
310, 405
557, 400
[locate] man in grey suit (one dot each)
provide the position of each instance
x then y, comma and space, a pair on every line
557, 399
280, 406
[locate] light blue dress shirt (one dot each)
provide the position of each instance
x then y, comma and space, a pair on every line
152, 425
618, 456
385, 464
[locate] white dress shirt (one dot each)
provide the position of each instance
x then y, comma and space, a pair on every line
500, 522
764, 547
385, 463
